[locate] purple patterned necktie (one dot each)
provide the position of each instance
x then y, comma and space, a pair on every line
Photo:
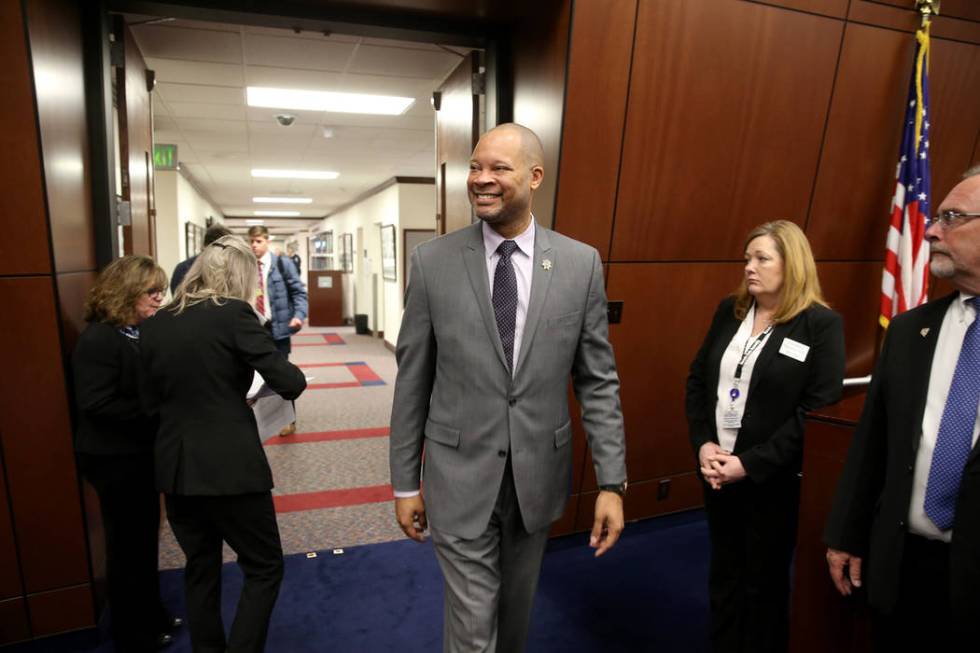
505, 299
955, 438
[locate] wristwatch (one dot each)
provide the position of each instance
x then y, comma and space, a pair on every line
618, 488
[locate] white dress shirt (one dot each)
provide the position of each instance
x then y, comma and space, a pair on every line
523, 262
726, 378
959, 316
266, 266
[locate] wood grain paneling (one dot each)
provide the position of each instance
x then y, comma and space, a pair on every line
14, 626
854, 291
833, 8
61, 610
73, 288
540, 43
136, 143
326, 303
664, 323
642, 499
11, 583
966, 9
598, 81
947, 25
822, 620
56, 52
457, 130
723, 128
37, 440
24, 247
852, 199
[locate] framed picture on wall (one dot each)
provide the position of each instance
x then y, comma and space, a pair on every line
193, 238
412, 238
389, 263
347, 252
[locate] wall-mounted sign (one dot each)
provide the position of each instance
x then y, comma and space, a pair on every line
164, 156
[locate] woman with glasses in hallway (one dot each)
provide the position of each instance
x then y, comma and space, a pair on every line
114, 445
199, 355
774, 351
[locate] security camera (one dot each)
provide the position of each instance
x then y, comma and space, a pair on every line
285, 119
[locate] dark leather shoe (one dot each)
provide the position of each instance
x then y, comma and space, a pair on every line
164, 640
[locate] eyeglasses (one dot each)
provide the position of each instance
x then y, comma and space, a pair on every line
949, 219
155, 291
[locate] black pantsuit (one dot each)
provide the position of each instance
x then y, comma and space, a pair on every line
210, 463
248, 523
753, 521
114, 445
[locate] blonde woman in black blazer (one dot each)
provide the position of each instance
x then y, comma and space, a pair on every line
773, 352
199, 354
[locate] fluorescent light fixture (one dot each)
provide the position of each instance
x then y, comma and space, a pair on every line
289, 98
294, 174
254, 222
282, 200
277, 214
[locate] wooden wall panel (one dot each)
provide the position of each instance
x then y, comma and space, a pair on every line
853, 289
540, 55
954, 88
37, 440
72, 290
721, 130
14, 625
56, 46
11, 583
667, 311
833, 8
595, 110
965, 9
905, 18
136, 146
24, 247
61, 610
457, 131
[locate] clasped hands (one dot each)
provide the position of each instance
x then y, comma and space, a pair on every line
719, 467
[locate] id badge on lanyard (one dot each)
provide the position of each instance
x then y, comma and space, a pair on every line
732, 417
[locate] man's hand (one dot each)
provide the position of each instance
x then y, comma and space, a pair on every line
608, 522
706, 454
410, 513
837, 561
728, 468
295, 324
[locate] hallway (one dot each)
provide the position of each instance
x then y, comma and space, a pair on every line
331, 476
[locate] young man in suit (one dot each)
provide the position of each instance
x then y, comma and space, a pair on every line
498, 316
908, 503
213, 233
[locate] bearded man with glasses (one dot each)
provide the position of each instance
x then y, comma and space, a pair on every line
908, 502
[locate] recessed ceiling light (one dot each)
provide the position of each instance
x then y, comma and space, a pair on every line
288, 98
282, 200
277, 214
295, 174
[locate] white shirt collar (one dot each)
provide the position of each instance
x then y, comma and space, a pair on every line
266, 261
525, 240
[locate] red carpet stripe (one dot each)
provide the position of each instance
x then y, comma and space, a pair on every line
303, 366
364, 374
328, 386
326, 436
332, 498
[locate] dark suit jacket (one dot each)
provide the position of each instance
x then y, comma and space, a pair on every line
872, 502
111, 419
781, 390
180, 271
199, 367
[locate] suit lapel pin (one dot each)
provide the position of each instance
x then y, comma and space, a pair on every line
924, 332
546, 264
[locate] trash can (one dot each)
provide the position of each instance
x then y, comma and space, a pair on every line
361, 325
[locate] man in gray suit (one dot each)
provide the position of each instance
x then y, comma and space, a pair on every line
498, 317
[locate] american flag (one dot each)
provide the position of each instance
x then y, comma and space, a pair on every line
905, 281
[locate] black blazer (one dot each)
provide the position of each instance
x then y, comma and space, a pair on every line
872, 502
110, 418
781, 390
180, 271
199, 367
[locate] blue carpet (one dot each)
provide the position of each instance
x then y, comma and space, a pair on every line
648, 594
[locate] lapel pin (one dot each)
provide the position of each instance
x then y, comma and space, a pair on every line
924, 332
546, 264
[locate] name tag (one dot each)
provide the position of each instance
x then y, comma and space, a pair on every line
793, 349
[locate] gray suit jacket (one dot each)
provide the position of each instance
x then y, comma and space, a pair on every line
455, 396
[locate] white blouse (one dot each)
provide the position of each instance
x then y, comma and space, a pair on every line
726, 378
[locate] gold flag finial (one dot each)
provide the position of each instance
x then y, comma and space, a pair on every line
928, 9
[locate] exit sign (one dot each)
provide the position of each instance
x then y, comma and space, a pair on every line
164, 156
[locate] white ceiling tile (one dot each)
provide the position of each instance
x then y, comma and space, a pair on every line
404, 62
196, 72
303, 53
171, 92
205, 45
212, 126
292, 78
206, 110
